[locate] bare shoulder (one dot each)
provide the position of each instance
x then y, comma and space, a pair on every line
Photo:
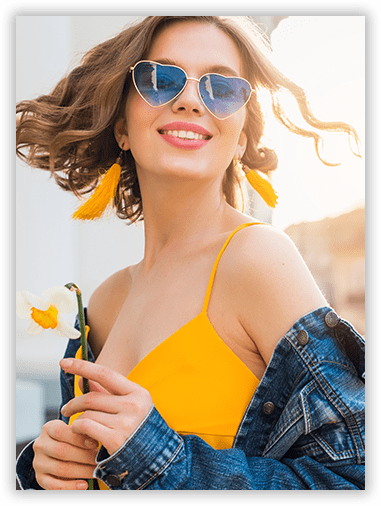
266, 246
104, 306
272, 285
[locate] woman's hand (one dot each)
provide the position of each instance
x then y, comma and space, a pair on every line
112, 410
61, 457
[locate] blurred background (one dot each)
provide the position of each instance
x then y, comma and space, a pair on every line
321, 208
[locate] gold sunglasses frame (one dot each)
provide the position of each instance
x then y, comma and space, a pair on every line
186, 82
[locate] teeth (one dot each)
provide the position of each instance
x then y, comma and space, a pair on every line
182, 134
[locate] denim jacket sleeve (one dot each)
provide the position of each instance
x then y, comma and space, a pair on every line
303, 429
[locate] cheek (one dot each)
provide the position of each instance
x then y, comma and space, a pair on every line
234, 132
139, 119
136, 111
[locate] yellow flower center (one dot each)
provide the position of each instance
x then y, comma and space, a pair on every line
46, 319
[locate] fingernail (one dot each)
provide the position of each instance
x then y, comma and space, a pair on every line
81, 485
90, 443
66, 362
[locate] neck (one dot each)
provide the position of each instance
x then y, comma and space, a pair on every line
179, 214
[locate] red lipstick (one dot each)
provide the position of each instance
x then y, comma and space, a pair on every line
185, 135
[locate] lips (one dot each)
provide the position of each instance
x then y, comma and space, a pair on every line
181, 126
185, 135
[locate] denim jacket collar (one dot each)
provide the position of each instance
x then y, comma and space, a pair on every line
304, 387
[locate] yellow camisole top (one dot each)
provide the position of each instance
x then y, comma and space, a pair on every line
197, 383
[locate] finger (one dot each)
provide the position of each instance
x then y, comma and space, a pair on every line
62, 469
49, 482
69, 453
111, 421
93, 401
94, 387
68, 470
59, 431
112, 381
111, 439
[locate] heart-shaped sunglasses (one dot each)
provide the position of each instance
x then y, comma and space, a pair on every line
159, 84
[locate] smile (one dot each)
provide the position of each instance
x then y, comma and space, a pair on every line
185, 135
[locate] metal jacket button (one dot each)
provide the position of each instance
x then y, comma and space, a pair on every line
113, 480
331, 319
302, 337
268, 408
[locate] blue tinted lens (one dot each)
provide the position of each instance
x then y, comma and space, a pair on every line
224, 96
158, 84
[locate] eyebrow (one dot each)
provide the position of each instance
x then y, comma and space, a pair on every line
217, 69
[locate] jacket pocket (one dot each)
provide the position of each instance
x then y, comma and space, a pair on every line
333, 423
319, 423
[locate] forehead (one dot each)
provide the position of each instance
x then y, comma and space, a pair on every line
196, 46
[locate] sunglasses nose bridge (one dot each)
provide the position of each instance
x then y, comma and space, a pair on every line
191, 79
198, 86
180, 97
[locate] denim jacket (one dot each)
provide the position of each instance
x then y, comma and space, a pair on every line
304, 428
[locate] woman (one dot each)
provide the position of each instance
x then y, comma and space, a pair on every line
248, 358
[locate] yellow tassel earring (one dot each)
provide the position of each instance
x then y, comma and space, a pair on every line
103, 195
260, 185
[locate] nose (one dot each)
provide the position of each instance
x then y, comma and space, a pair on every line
189, 99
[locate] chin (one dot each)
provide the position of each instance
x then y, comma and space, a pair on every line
189, 171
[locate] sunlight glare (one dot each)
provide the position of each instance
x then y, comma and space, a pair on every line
325, 55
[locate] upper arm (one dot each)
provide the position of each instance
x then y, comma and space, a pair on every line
104, 306
273, 287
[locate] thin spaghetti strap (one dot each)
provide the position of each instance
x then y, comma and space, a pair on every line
211, 280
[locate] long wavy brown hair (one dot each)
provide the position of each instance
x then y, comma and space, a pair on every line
70, 131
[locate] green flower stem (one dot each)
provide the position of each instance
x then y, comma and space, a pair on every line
82, 328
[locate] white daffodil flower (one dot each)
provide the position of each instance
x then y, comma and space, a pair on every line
46, 315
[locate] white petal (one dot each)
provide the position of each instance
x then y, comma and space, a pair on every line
23, 306
64, 329
35, 301
34, 328
61, 298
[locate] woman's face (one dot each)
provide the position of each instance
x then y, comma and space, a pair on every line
198, 48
